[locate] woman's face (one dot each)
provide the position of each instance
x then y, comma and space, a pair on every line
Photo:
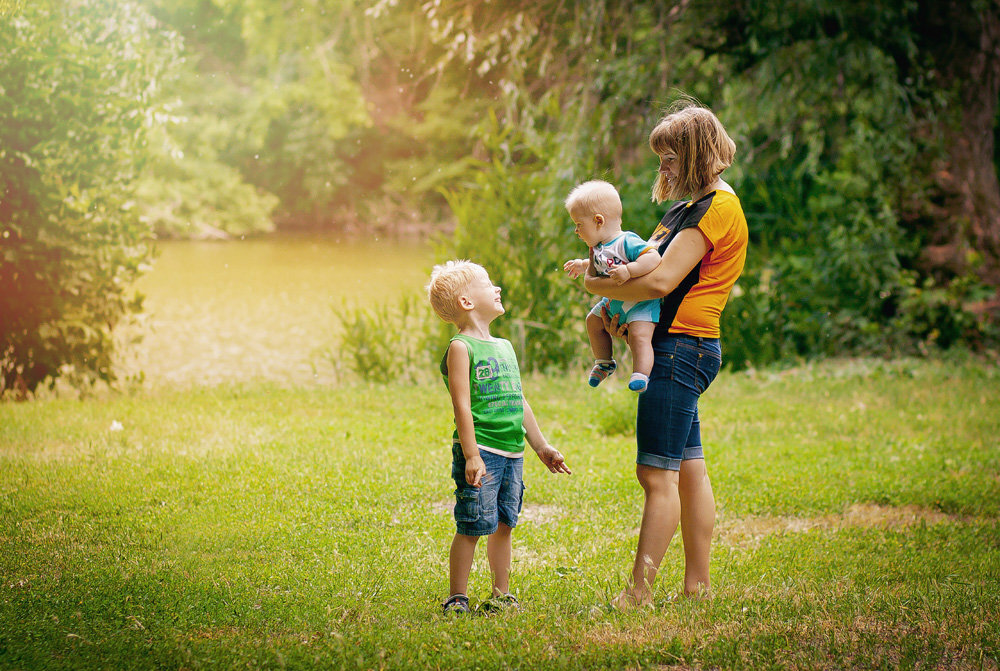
668, 167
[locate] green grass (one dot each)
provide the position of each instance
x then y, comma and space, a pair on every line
262, 527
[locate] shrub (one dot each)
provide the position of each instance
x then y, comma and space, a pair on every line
77, 94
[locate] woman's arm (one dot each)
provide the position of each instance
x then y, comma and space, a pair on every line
682, 255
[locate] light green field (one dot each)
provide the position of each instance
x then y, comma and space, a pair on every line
262, 527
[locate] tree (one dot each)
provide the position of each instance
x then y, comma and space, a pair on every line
78, 93
946, 58
270, 93
840, 120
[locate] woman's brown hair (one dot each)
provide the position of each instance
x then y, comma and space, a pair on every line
701, 144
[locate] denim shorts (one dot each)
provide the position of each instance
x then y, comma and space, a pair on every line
478, 510
667, 428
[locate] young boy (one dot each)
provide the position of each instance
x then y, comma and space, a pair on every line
492, 419
596, 210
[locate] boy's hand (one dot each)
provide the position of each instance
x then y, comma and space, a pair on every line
620, 274
475, 469
552, 459
576, 267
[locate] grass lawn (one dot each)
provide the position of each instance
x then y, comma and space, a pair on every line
260, 527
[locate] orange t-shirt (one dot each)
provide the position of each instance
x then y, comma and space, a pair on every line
694, 307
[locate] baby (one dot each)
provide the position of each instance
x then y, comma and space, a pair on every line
596, 209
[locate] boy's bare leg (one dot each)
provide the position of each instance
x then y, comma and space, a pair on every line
640, 343
498, 550
697, 523
463, 550
600, 339
660, 515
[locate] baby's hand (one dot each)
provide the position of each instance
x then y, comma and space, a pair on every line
620, 274
576, 267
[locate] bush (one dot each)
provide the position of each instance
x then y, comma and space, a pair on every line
77, 94
391, 343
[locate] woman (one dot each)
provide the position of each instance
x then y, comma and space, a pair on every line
703, 243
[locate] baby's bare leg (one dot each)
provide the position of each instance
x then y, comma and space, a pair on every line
600, 339
640, 343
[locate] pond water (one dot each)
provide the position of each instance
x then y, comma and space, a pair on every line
262, 308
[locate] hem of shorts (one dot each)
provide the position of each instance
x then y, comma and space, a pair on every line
477, 533
465, 532
667, 463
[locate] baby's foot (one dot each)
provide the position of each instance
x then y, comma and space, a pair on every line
638, 382
601, 370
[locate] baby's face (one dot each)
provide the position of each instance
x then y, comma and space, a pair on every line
588, 227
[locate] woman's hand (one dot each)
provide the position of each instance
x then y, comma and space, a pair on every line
612, 324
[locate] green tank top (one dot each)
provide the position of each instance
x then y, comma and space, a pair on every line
495, 390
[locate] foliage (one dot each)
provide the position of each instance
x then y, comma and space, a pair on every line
255, 526
571, 110
78, 92
321, 107
815, 114
390, 343
186, 189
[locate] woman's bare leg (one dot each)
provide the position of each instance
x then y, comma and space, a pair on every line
697, 523
660, 515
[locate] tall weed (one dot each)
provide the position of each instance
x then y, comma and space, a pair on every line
401, 342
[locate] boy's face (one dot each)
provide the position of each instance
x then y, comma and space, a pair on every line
589, 227
485, 296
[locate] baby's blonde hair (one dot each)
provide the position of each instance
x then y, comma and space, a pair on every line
702, 146
595, 197
448, 281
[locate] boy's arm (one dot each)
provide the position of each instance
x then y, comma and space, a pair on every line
461, 401
548, 455
643, 265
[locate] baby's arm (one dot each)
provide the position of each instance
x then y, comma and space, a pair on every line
576, 267
548, 455
461, 400
643, 265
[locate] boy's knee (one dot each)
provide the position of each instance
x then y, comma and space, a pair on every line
503, 530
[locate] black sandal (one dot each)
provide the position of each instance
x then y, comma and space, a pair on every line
499, 603
456, 603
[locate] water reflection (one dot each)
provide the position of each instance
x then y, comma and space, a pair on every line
262, 308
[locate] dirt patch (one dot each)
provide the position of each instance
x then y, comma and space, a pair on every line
748, 531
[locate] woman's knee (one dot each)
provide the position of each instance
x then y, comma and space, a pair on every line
655, 480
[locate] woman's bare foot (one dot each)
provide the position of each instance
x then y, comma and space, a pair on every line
629, 600
701, 593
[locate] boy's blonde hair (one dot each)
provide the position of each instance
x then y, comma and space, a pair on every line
702, 146
595, 197
448, 281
